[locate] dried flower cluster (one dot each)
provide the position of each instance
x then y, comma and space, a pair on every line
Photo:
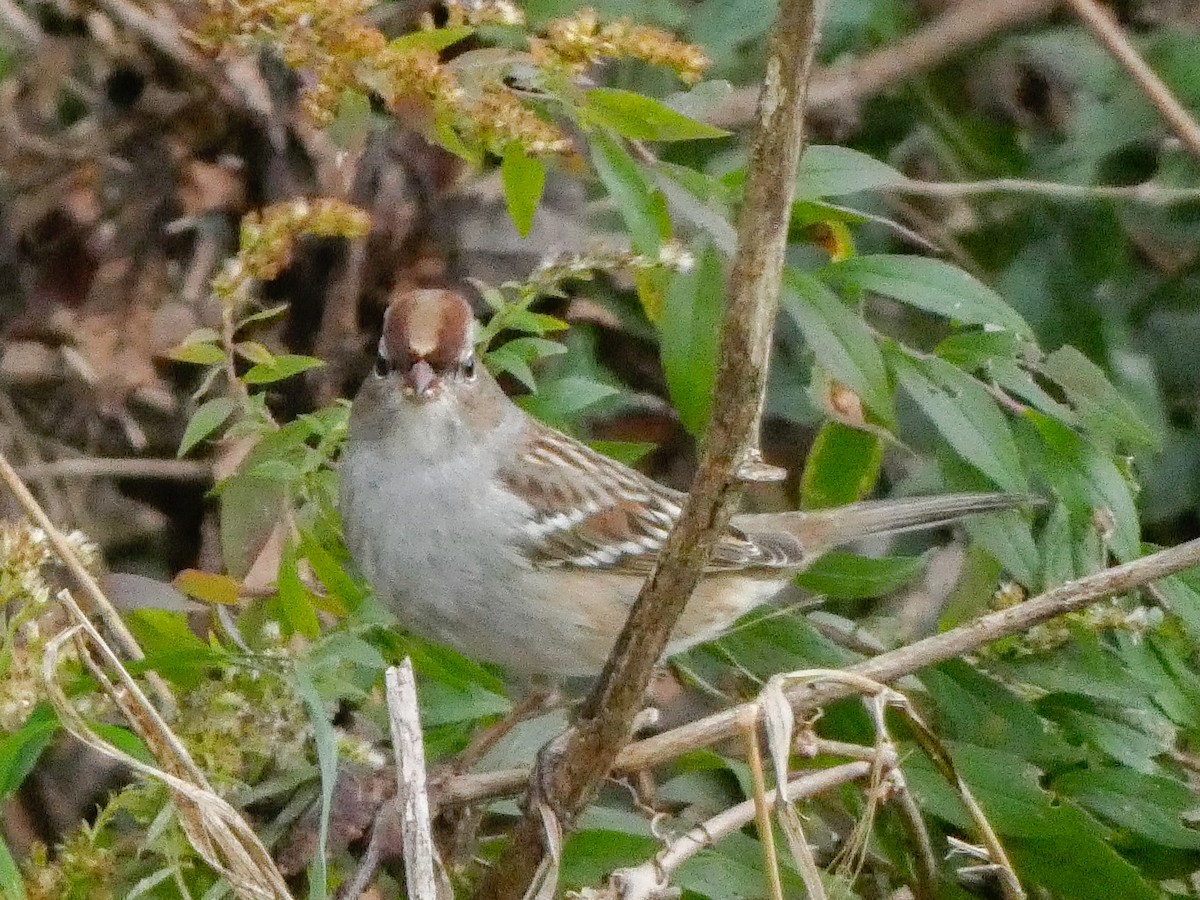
337, 49
580, 41
268, 239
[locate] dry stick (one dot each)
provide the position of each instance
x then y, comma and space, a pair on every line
572, 766
131, 467
420, 858
1108, 32
83, 578
961, 27
647, 880
886, 667
1148, 192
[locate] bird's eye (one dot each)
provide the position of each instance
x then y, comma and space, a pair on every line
468, 367
382, 367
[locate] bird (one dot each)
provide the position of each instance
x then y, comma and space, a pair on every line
488, 531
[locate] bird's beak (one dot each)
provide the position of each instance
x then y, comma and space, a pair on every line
421, 378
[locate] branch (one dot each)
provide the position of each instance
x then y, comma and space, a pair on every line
119, 467
1108, 32
1147, 192
886, 667
571, 767
961, 27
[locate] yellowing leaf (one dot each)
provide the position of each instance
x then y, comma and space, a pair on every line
207, 586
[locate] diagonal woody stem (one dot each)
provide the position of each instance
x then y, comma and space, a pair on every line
572, 766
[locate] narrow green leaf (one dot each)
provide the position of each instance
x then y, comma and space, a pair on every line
280, 368
842, 467
931, 285
850, 577
561, 398
829, 171
435, 39
327, 759
840, 340
207, 418
19, 751
201, 354
641, 118
264, 315
1084, 477
523, 177
965, 415
630, 190
627, 452
690, 332
295, 606
12, 885
1100, 405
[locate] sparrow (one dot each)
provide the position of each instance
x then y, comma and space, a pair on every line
490, 532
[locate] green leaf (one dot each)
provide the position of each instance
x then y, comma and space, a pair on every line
281, 367
562, 398
327, 760
171, 648
829, 171
19, 751
263, 315
1007, 537
295, 606
931, 285
1099, 404
352, 121
1085, 478
690, 332
207, 418
12, 885
208, 587
965, 415
435, 39
641, 118
840, 340
1148, 805
846, 576
842, 467
627, 452
442, 704
201, 354
523, 177
643, 210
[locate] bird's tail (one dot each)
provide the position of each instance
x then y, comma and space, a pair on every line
820, 530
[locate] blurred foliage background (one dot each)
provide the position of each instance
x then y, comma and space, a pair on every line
992, 283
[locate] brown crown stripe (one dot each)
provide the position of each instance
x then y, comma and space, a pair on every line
433, 325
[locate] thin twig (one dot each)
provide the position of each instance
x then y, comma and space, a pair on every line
962, 27
420, 857
570, 769
1148, 192
647, 880
83, 578
925, 865
129, 467
886, 667
1108, 32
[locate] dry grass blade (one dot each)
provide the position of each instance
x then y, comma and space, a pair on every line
1010, 886
215, 829
762, 814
